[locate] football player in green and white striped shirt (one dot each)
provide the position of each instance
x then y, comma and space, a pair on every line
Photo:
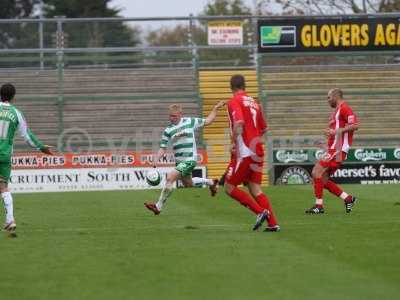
12, 120
181, 135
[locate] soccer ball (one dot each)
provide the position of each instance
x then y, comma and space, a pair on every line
153, 177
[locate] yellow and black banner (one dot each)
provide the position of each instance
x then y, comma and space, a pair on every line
345, 33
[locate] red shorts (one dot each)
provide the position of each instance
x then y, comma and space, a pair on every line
244, 170
333, 160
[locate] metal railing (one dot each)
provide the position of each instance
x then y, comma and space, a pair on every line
116, 36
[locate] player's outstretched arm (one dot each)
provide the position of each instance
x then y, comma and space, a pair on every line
157, 157
31, 138
213, 114
165, 139
47, 149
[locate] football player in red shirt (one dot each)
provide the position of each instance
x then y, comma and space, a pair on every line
342, 124
248, 126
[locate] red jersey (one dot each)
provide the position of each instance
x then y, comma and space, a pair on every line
244, 109
342, 116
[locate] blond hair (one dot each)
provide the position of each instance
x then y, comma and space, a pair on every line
175, 108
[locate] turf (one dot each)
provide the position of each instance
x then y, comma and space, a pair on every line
105, 245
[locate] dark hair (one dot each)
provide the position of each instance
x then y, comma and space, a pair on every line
238, 82
7, 92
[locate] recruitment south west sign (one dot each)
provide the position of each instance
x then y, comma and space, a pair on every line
346, 33
92, 171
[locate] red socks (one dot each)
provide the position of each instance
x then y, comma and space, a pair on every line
264, 202
245, 199
333, 188
256, 207
318, 187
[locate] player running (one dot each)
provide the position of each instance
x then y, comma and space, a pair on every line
248, 127
342, 124
181, 134
11, 120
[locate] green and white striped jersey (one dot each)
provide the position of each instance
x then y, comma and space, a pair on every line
182, 138
11, 120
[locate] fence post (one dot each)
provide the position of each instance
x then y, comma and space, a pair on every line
41, 55
194, 54
60, 78
254, 22
195, 66
270, 151
264, 101
40, 28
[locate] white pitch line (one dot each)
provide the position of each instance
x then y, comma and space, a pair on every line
193, 227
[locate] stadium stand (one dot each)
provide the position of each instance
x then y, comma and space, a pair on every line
108, 105
120, 105
37, 98
297, 107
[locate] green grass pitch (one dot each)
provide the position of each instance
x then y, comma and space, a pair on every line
105, 245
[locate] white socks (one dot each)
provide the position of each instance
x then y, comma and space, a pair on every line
165, 193
8, 205
167, 190
199, 181
344, 195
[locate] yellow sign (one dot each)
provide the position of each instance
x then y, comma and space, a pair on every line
350, 35
330, 34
